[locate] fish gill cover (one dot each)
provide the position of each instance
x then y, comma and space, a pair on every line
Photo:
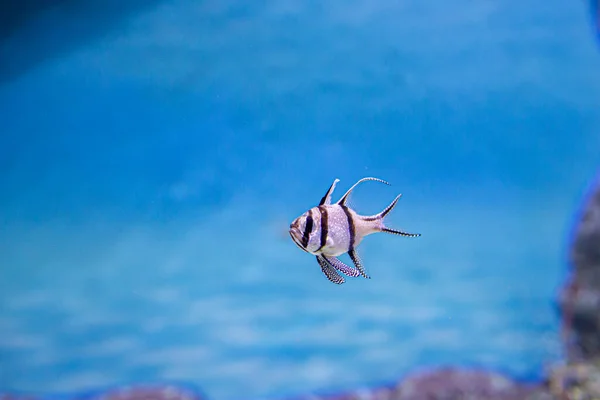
151, 168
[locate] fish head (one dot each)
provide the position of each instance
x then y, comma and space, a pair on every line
298, 228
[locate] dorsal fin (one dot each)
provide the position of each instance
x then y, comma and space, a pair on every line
344, 198
327, 198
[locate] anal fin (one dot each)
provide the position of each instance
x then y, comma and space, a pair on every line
357, 262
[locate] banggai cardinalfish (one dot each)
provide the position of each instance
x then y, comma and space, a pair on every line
330, 230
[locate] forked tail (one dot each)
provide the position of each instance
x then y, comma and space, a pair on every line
378, 219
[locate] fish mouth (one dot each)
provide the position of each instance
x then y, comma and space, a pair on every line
296, 236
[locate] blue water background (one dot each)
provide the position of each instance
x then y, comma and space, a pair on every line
150, 169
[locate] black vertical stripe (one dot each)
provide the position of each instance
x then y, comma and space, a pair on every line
307, 229
351, 228
324, 227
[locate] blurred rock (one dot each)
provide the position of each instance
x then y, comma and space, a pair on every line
579, 381
16, 397
450, 384
148, 393
580, 298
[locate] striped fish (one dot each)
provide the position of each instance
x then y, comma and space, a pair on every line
330, 230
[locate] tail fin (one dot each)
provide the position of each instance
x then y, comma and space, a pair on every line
380, 217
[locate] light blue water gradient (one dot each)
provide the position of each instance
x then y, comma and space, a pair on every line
150, 173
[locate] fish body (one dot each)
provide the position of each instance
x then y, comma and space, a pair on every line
330, 230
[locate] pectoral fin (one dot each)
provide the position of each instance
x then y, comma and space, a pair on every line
329, 271
343, 268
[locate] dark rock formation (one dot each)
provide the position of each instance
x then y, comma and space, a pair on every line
580, 299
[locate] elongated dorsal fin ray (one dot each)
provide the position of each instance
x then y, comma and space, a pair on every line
398, 232
344, 198
343, 268
330, 272
386, 211
356, 260
327, 198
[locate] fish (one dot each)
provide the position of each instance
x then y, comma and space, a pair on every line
329, 230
